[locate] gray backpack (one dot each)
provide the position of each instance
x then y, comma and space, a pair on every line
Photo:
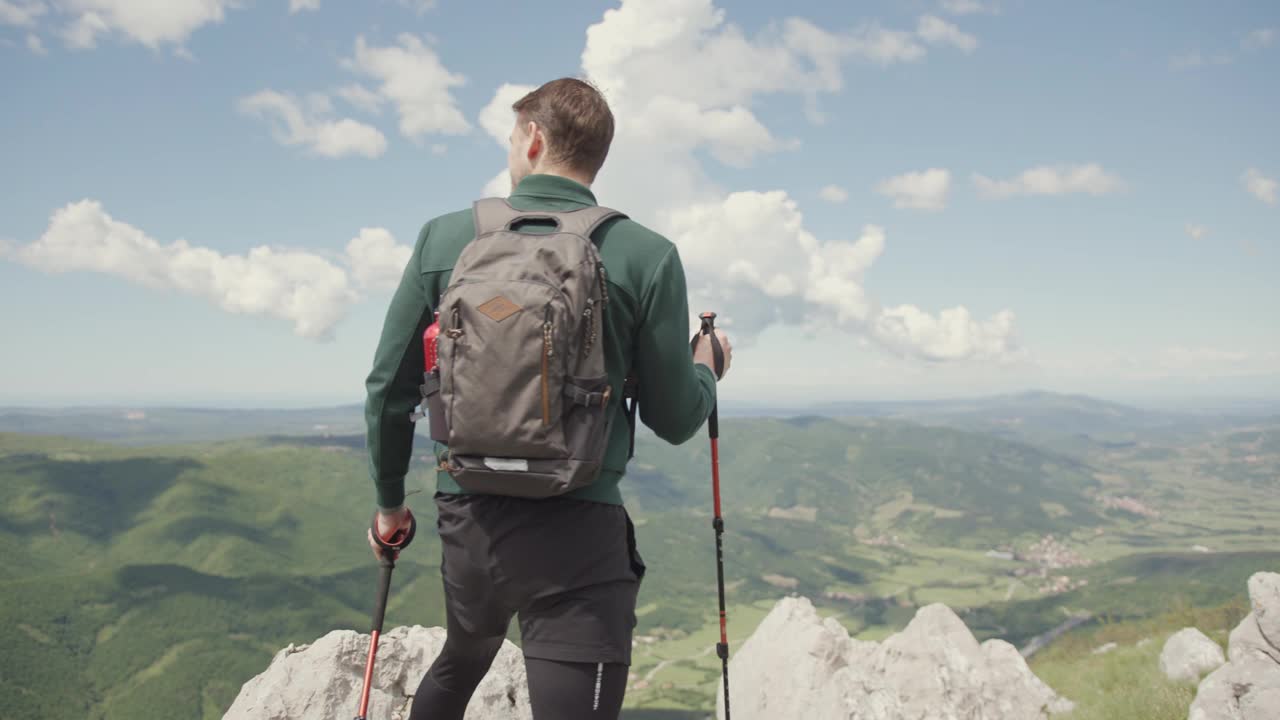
520, 394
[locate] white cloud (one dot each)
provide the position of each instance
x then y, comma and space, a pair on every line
1052, 180
362, 98
292, 285
1197, 232
497, 118
418, 6
1207, 361
1197, 59
410, 75
1259, 39
748, 251
751, 252
376, 260
498, 186
834, 194
152, 23
951, 335
148, 23
35, 44
925, 190
936, 31
638, 47
1260, 186
295, 125
1251, 42
21, 13
968, 7
884, 47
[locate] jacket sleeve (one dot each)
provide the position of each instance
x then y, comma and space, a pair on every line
392, 384
675, 394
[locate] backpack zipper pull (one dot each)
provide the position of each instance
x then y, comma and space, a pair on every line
546, 332
591, 329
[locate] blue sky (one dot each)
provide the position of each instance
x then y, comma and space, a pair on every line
209, 203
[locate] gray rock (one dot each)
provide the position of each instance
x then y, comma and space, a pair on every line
1247, 687
1248, 690
1264, 595
1247, 642
797, 665
1188, 655
322, 680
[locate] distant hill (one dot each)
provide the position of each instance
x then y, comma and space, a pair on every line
152, 425
966, 487
1071, 422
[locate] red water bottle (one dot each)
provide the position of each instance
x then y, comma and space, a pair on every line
429, 344
431, 386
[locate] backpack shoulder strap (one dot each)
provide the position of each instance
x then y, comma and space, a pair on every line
585, 221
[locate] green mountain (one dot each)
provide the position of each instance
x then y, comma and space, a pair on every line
166, 575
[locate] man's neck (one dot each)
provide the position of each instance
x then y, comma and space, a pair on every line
565, 173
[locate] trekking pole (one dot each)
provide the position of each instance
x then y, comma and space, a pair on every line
713, 425
391, 548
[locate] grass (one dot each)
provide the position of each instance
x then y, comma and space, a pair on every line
1126, 683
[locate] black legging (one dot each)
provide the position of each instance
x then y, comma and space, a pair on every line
557, 690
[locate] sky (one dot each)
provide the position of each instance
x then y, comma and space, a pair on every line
210, 201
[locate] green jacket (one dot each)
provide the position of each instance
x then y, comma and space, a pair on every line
646, 328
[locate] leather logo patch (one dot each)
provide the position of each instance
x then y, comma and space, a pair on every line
499, 309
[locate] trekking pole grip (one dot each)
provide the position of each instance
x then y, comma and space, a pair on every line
398, 541
717, 353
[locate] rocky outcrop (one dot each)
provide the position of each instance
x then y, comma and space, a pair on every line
798, 666
1248, 687
1188, 654
322, 680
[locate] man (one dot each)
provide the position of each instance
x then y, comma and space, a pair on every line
567, 566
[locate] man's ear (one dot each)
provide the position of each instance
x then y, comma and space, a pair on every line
537, 142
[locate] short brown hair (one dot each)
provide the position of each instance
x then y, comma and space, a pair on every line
575, 118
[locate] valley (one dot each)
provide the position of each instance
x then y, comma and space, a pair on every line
169, 565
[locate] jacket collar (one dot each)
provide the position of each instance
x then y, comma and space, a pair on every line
554, 187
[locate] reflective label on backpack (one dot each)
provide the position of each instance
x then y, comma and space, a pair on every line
507, 464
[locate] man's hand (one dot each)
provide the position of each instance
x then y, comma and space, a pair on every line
703, 354
388, 523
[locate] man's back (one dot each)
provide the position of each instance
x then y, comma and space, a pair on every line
645, 332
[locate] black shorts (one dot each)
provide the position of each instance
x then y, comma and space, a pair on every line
567, 568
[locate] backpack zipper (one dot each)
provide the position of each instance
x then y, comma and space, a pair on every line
546, 362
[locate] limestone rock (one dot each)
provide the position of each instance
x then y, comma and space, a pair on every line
322, 680
1264, 595
1248, 690
797, 665
1247, 687
1188, 655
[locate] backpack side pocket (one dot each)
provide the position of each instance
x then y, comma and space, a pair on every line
586, 417
435, 406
